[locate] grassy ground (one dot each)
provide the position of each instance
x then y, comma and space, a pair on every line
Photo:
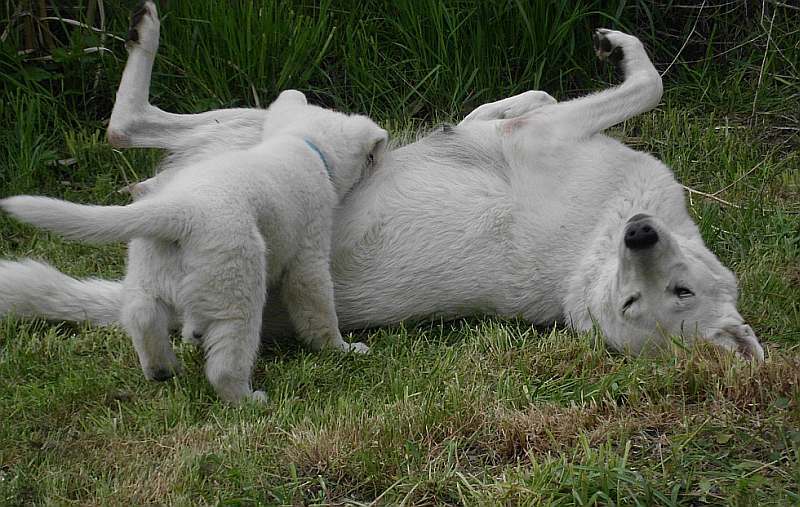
477, 411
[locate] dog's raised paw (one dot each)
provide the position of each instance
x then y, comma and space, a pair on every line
606, 47
144, 27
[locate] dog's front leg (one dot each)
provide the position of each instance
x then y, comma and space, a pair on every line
136, 123
511, 107
583, 117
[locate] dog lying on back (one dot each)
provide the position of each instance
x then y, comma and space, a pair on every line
207, 241
524, 209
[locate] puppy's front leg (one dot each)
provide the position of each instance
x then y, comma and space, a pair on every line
132, 107
307, 291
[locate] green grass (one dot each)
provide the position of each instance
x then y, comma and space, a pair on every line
476, 411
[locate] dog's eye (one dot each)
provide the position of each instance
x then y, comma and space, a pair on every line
370, 159
683, 292
628, 303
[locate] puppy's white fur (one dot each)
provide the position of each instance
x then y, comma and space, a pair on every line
520, 210
208, 240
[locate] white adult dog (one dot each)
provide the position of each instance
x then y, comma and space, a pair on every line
210, 238
523, 209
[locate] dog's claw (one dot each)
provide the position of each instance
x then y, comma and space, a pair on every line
355, 347
359, 348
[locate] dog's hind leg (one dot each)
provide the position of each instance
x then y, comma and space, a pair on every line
147, 321
136, 123
639, 92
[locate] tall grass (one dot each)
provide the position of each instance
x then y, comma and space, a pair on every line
406, 58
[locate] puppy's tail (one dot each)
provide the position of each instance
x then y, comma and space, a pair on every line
33, 289
99, 224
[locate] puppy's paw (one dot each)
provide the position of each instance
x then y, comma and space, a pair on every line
191, 335
144, 28
161, 373
356, 348
192, 339
259, 397
161, 367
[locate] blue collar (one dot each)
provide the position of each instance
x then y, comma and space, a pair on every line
321, 156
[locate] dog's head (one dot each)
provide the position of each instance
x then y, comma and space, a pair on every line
665, 284
349, 145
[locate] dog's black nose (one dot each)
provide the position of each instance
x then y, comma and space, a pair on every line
639, 234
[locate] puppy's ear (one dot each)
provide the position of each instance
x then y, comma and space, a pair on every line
292, 97
379, 139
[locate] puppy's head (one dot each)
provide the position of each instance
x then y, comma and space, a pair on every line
355, 145
350, 145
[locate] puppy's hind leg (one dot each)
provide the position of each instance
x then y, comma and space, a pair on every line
231, 350
147, 321
224, 295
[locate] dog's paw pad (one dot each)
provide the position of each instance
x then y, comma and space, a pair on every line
143, 28
136, 18
606, 45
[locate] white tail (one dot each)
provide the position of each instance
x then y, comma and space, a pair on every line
33, 289
98, 224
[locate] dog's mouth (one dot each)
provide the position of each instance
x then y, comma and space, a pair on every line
740, 339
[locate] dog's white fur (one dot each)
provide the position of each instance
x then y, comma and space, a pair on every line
209, 239
520, 210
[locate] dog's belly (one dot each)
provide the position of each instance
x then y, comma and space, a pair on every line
420, 241
438, 238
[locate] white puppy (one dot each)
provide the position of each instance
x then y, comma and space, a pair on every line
208, 240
